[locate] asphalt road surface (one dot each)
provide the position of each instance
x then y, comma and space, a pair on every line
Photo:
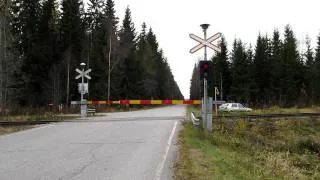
130, 146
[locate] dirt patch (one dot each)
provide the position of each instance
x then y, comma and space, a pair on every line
194, 153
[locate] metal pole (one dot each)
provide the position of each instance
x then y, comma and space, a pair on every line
89, 56
82, 82
83, 104
81, 92
109, 73
205, 82
221, 89
215, 99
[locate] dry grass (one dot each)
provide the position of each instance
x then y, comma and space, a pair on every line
264, 149
11, 129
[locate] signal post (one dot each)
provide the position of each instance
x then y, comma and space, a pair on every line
204, 72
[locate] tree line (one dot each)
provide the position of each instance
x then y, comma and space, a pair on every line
43, 42
274, 72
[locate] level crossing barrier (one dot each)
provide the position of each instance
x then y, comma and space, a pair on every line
145, 102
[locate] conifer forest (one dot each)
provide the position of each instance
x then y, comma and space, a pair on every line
42, 42
273, 72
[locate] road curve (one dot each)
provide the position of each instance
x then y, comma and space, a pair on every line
132, 145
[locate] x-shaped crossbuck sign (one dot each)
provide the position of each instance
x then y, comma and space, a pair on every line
204, 42
83, 73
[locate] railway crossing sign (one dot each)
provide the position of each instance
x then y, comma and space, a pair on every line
83, 88
205, 42
83, 73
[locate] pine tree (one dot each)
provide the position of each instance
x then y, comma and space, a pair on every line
25, 27
221, 71
292, 68
150, 56
161, 75
261, 70
97, 37
317, 72
276, 68
310, 72
94, 13
49, 53
251, 71
240, 88
72, 33
111, 25
7, 60
130, 79
195, 83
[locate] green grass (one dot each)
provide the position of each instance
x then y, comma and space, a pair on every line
277, 109
272, 110
264, 149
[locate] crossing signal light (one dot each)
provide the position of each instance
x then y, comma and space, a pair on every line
204, 69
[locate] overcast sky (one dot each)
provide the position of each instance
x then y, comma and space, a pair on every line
173, 21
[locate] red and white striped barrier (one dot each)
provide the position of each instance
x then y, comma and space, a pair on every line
146, 102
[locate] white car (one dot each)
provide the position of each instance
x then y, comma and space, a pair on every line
233, 107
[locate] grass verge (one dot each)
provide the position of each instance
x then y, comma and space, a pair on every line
12, 129
264, 149
28, 118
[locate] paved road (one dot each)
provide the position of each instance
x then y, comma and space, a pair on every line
133, 145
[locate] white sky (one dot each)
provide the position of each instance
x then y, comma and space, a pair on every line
173, 20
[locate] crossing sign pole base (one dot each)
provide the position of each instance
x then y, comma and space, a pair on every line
83, 110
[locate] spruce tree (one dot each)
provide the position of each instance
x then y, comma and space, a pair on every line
150, 83
8, 62
317, 72
276, 68
240, 88
222, 74
251, 81
195, 83
111, 25
291, 69
310, 73
49, 52
130, 80
261, 70
97, 40
72, 34
25, 27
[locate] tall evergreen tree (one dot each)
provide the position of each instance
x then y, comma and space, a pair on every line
221, 69
25, 27
150, 57
251, 71
72, 33
142, 57
97, 40
130, 81
317, 72
240, 88
94, 13
49, 53
261, 70
276, 68
195, 92
111, 25
310, 73
8, 63
291, 69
